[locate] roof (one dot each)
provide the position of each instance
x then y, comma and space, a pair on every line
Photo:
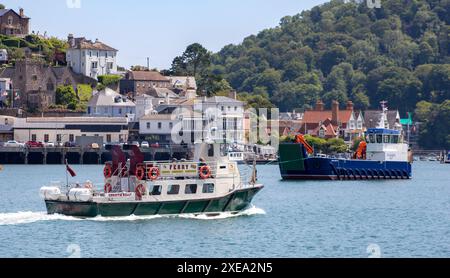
329, 130
373, 117
317, 116
109, 97
161, 93
158, 117
221, 99
146, 76
4, 11
183, 81
83, 43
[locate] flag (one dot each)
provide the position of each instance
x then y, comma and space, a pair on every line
70, 170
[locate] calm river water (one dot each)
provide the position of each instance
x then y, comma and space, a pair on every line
404, 218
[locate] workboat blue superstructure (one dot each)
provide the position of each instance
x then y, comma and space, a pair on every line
383, 155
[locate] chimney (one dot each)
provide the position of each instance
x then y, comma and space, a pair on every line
167, 99
319, 105
335, 112
350, 105
232, 94
71, 40
21, 13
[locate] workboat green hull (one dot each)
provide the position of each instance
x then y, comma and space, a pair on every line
234, 202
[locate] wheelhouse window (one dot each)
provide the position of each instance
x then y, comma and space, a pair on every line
386, 138
208, 188
379, 138
156, 190
190, 189
173, 189
211, 150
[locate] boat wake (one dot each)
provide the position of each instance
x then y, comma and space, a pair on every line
19, 218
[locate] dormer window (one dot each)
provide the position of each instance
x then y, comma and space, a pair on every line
10, 20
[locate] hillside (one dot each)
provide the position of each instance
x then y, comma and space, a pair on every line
346, 51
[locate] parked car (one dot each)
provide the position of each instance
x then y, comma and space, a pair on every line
70, 145
95, 146
155, 145
34, 144
145, 144
136, 143
14, 144
49, 144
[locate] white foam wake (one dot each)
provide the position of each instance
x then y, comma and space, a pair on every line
26, 217
31, 217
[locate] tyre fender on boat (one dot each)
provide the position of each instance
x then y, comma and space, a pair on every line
140, 191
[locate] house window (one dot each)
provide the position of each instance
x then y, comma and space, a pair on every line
10, 21
235, 108
110, 65
108, 138
159, 125
94, 65
148, 125
106, 54
190, 189
6, 121
71, 138
46, 138
50, 86
90, 53
173, 189
35, 77
33, 137
89, 110
171, 125
156, 190
321, 133
208, 188
120, 111
58, 137
222, 108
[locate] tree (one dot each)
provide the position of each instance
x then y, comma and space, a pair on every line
192, 61
66, 95
423, 110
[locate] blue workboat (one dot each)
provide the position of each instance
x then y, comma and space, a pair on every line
383, 155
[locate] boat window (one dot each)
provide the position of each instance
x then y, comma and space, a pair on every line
211, 150
190, 189
386, 138
379, 138
394, 139
173, 189
156, 190
371, 138
208, 188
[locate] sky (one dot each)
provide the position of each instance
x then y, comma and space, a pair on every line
158, 29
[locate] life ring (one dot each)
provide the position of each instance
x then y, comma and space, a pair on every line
205, 172
140, 172
153, 173
108, 188
107, 171
140, 191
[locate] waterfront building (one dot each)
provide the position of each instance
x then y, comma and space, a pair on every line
109, 103
67, 129
13, 23
91, 58
377, 119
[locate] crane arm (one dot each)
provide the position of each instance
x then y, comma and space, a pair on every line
300, 139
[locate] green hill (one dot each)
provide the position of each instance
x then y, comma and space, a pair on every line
346, 51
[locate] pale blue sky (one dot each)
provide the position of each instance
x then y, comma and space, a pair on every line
159, 29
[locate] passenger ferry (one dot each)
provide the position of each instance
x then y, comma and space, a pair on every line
383, 155
210, 184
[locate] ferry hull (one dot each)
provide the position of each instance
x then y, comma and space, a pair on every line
296, 165
234, 202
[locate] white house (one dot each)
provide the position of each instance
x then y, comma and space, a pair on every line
91, 58
109, 103
3, 56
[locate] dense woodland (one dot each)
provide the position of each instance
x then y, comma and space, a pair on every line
341, 50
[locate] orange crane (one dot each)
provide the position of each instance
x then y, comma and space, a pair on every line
300, 139
361, 151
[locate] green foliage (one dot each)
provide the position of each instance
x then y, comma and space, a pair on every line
193, 60
65, 95
84, 92
108, 79
435, 130
327, 146
346, 51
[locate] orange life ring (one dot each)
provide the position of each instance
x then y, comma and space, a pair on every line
153, 173
107, 171
108, 188
140, 172
205, 172
140, 191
